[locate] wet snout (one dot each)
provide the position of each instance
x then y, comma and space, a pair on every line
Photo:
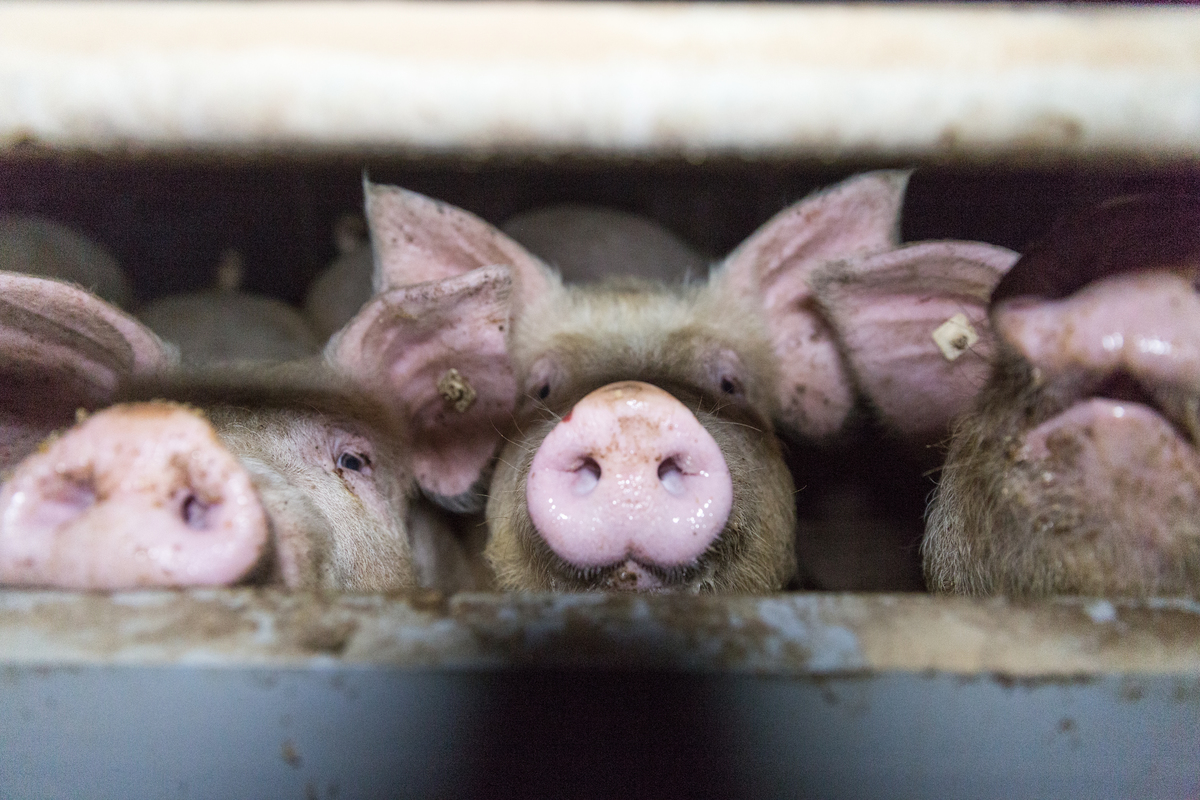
135, 496
1129, 338
1145, 324
629, 475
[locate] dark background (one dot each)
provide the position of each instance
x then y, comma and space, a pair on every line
167, 220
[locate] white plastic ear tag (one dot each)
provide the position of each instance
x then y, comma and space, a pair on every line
955, 336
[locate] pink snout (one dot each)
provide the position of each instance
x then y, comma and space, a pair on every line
135, 496
630, 473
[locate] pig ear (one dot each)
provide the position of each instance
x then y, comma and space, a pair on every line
436, 353
772, 268
914, 328
417, 239
61, 349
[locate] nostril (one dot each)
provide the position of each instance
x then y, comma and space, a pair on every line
671, 476
194, 512
587, 477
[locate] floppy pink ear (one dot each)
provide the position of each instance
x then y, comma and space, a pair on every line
417, 239
436, 353
61, 349
772, 268
914, 329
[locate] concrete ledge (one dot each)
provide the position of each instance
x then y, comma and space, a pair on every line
780, 635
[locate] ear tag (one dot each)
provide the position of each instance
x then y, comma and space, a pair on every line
455, 390
955, 336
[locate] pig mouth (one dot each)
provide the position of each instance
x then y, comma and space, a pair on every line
1121, 460
1119, 400
630, 574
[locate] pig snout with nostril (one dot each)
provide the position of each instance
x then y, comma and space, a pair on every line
629, 474
136, 496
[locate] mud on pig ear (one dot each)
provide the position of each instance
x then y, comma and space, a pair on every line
436, 354
913, 327
61, 349
772, 270
417, 239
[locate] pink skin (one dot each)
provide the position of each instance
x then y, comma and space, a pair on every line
1147, 324
136, 496
1124, 454
1103, 448
629, 473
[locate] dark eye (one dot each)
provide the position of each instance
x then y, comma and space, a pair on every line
355, 462
728, 386
543, 392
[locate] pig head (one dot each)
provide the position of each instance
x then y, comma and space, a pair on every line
1077, 471
640, 421
293, 477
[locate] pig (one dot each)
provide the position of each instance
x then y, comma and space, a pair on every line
589, 244
336, 295
226, 326
584, 243
36, 245
286, 476
1076, 470
640, 421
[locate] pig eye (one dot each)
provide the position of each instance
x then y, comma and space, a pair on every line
723, 370
355, 462
543, 376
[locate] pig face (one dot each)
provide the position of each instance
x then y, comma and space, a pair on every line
1077, 471
641, 462
292, 477
641, 451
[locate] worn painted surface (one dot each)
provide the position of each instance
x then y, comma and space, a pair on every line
784, 635
828, 81
251, 693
